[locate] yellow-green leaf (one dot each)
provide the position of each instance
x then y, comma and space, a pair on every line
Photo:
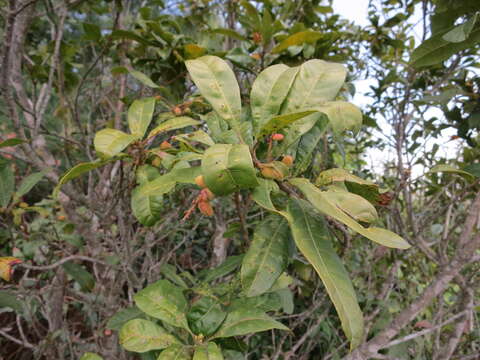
173, 124
140, 115
312, 238
141, 335
307, 36
110, 142
323, 203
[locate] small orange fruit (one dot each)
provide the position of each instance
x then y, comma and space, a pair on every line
277, 137
200, 181
287, 160
205, 208
165, 145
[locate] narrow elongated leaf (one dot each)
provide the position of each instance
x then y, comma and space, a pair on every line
173, 124
79, 170
313, 240
451, 169
321, 201
461, 32
7, 184
175, 352
228, 168
330, 176
163, 301
109, 142
121, 317
279, 122
267, 256
269, 91
317, 81
199, 136
80, 275
436, 49
342, 116
141, 335
246, 320
307, 145
209, 351
229, 265
299, 38
140, 115
170, 272
230, 33
11, 142
205, 316
28, 183
217, 83
144, 79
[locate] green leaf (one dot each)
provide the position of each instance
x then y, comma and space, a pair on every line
299, 38
144, 79
170, 272
279, 122
322, 202
90, 356
330, 176
230, 33
121, 317
92, 32
8, 300
148, 208
11, 142
307, 144
354, 205
163, 301
451, 169
342, 116
110, 142
141, 335
7, 184
229, 265
205, 316
140, 115
217, 83
209, 351
461, 32
314, 241
228, 168
267, 256
354, 184
199, 136
317, 81
175, 352
78, 170
173, 124
28, 183
261, 195
247, 320
269, 91
80, 275
436, 49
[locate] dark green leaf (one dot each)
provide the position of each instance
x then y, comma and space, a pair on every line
267, 256
123, 316
205, 316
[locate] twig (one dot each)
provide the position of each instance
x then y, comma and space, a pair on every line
60, 262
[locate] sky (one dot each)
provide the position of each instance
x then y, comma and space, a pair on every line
356, 11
